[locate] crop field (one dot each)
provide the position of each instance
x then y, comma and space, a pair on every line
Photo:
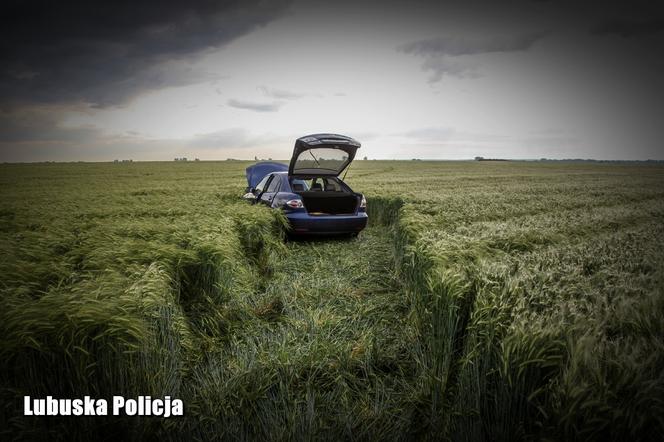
485, 301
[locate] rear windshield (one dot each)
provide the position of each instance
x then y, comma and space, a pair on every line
322, 158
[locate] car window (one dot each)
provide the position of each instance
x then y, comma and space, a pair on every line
332, 159
307, 182
331, 185
260, 186
320, 184
299, 185
274, 185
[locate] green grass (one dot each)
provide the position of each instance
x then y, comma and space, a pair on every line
512, 300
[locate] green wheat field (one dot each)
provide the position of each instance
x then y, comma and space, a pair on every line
485, 301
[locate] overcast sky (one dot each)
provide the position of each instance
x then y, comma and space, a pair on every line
154, 80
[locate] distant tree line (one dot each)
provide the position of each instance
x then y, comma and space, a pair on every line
489, 159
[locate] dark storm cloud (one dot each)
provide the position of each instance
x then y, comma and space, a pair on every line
106, 52
255, 106
630, 28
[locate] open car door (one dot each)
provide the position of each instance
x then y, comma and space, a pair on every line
322, 155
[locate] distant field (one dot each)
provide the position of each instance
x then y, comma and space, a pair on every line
487, 300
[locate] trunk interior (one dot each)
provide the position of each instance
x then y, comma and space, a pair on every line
329, 203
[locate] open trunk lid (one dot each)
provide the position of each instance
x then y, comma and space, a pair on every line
322, 155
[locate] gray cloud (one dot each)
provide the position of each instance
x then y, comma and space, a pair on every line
58, 59
41, 125
451, 67
448, 56
36, 134
364, 136
551, 142
533, 144
455, 46
431, 133
238, 138
630, 28
221, 139
105, 52
255, 106
280, 94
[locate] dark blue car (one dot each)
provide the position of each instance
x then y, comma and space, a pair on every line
309, 190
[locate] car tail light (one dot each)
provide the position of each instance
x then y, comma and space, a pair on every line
363, 203
294, 204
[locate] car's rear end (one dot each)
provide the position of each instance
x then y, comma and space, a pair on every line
304, 224
311, 212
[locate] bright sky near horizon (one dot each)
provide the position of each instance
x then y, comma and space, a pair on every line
448, 80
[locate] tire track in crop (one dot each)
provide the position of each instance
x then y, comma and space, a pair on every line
335, 281
330, 334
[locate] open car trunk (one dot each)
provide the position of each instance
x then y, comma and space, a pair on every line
329, 203
322, 155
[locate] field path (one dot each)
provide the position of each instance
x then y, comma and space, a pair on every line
346, 289
330, 346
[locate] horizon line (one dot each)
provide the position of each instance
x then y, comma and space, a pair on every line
198, 160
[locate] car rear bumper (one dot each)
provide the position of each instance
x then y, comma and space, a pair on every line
304, 224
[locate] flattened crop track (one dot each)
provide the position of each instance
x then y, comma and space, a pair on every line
328, 350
